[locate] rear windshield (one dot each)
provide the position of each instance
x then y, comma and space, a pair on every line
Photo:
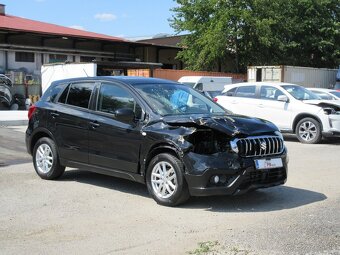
300, 93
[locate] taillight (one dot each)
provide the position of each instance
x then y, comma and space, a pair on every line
215, 99
31, 110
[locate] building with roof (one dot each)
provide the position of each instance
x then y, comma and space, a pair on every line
25, 45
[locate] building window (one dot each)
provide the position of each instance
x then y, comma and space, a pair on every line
24, 57
55, 58
87, 59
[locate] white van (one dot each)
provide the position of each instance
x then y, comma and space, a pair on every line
210, 85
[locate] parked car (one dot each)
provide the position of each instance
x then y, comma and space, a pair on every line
291, 107
5, 92
146, 130
8, 101
326, 94
212, 94
337, 86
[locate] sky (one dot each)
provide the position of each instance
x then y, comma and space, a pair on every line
132, 19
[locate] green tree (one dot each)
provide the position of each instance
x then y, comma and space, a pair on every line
258, 32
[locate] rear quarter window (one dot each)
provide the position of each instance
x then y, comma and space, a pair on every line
52, 92
230, 92
77, 94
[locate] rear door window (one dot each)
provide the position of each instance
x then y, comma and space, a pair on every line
246, 91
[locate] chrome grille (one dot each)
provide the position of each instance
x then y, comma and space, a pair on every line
259, 146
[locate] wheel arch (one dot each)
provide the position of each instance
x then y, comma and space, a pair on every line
301, 116
40, 133
158, 149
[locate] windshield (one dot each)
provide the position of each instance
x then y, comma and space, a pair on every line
172, 99
190, 84
335, 93
323, 95
300, 93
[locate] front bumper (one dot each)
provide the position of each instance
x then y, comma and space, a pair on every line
240, 174
334, 126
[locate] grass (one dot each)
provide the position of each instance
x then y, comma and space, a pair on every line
214, 248
204, 248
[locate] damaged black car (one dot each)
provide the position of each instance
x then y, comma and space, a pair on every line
153, 131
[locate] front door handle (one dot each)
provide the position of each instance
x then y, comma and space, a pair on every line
54, 114
261, 105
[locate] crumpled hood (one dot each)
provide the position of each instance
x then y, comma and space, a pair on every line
229, 124
323, 102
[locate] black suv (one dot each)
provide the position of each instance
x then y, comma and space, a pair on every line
153, 131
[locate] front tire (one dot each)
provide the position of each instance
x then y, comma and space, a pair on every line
308, 130
165, 180
46, 159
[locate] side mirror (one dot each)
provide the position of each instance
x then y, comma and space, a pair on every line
125, 115
282, 98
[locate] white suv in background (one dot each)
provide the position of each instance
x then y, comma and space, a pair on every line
291, 107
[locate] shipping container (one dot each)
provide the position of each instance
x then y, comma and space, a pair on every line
304, 76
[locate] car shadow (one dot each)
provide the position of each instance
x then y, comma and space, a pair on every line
263, 200
105, 181
272, 199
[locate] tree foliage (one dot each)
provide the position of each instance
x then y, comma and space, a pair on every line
258, 32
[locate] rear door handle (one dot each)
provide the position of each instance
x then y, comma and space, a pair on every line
94, 124
54, 114
261, 105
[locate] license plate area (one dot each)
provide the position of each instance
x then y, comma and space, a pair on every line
268, 163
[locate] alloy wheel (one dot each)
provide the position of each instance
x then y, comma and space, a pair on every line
307, 131
164, 179
44, 158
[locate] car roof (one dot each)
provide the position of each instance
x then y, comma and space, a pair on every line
322, 89
131, 80
242, 84
263, 83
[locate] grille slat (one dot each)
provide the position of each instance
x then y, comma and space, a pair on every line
259, 146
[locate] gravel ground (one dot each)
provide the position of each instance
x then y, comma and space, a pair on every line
88, 213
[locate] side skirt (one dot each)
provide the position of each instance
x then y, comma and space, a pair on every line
103, 170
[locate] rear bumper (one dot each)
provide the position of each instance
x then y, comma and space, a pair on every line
240, 178
28, 142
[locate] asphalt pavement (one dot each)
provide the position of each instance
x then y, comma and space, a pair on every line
12, 146
88, 213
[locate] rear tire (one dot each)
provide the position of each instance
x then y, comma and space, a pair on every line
46, 159
165, 180
308, 130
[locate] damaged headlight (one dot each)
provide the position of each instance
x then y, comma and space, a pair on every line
329, 110
279, 134
233, 146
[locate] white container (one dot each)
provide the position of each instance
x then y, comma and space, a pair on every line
206, 83
53, 72
304, 76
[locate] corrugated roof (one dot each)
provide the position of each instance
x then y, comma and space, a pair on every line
9, 22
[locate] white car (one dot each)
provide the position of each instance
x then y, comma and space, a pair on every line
327, 94
291, 107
